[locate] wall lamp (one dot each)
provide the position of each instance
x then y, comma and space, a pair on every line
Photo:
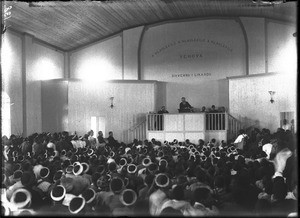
111, 102
272, 93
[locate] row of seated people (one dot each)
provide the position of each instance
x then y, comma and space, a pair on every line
146, 178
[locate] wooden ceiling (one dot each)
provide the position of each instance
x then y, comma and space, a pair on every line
70, 25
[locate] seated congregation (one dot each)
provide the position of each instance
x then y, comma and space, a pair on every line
62, 174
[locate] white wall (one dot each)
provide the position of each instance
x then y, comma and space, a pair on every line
255, 30
132, 100
102, 60
131, 40
249, 99
282, 47
11, 57
26, 63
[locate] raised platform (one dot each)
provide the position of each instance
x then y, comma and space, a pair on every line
192, 126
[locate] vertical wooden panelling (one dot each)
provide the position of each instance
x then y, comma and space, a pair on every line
131, 103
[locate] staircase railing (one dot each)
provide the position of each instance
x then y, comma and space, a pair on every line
137, 131
233, 127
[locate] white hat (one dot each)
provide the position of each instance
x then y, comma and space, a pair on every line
78, 169
128, 197
21, 198
162, 180
76, 204
58, 193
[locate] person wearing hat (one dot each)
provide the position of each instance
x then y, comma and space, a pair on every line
111, 198
29, 182
202, 197
90, 197
128, 198
159, 193
143, 192
177, 202
77, 206
21, 199
77, 184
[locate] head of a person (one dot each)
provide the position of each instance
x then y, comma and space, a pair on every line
178, 192
183, 99
110, 133
171, 212
284, 121
91, 133
203, 108
202, 195
100, 133
163, 108
279, 189
213, 107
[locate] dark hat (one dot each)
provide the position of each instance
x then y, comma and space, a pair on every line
17, 166
21, 158
28, 179
89, 195
65, 163
152, 167
178, 192
76, 205
57, 176
44, 172
122, 161
17, 174
146, 161
128, 197
126, 181
149, 179
21, 198
58, 193
131, 168
116, 185
279, 189
69, 169
129, 160
86, 167
162, 180
112, 166
78, 169
63, 153
100, 169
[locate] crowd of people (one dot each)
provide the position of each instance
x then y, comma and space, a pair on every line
66, 174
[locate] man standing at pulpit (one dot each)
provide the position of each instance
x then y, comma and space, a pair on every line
184, 106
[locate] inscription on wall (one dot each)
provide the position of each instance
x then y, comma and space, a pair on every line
192, 40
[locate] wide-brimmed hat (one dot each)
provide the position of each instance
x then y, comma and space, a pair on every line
131, 168
44, 172
146, 161
76, 204
17, 174
28, 179
116, 185
57, 176
128, 197
58, 193
89, 195
78, 169
21, 198
69, 169
122, 161
162, 180
86, 167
